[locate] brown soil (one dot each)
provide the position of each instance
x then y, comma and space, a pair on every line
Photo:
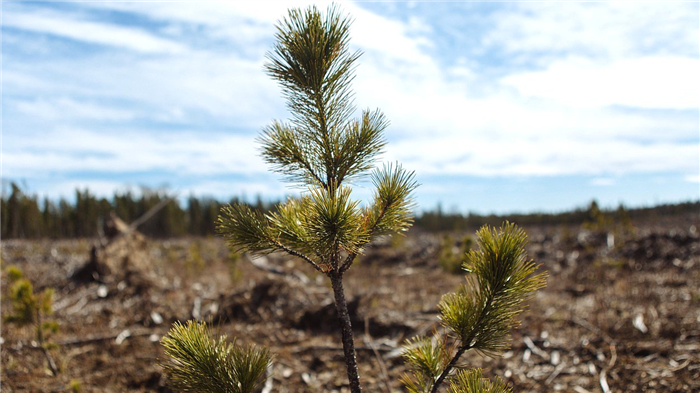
622, 316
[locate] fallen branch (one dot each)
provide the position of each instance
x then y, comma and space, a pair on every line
536, 350
378, 356
587, 325
97, 339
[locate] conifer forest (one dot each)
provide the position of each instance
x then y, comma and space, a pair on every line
150, 291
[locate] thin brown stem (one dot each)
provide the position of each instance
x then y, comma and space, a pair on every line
348, 262
466, 344
449, 368
347, 335
300, 255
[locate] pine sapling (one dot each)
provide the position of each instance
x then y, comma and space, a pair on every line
479, 316
322, 148
29, 308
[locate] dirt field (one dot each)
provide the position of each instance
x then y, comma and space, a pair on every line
621, 313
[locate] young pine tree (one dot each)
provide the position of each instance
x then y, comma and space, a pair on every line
479, 316
30, 308
322, 148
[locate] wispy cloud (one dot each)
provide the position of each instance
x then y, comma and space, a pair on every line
184, 152
521, 89
64, 108
538, 32
95, 32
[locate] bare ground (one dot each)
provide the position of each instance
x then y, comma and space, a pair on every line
622, 317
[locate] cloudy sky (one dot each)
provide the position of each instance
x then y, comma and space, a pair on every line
497, 106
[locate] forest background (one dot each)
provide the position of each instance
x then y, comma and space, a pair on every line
26, 216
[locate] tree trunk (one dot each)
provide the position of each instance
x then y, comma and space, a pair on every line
346, 327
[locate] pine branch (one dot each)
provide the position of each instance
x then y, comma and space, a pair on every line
245, 229
426, 358
300, 255
481, 313
312, 62
291, 224
448, 368
348, 262
471, 381
248, 230
361, 144
392, 205
322, 148
334, 222
200, 364
290, 155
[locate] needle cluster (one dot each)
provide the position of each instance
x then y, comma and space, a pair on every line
322, 149
30, 308
480, 315
201, 364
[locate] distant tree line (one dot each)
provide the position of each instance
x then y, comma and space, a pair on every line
26, 216
591, 215
29, 217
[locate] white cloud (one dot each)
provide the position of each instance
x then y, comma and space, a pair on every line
546, 157
62, 108
448, 117
390, 40
92, 32
188, 153
537, 31
653, 82
228, 88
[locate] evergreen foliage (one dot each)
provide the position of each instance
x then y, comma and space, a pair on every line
479, 316
26, 216
471, 381
201, 364
30, 308
322, 149
26, 305
450, 257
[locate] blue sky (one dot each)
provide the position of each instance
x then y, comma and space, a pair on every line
497, 106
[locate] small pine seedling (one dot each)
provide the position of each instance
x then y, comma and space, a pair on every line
29, 308
322, 149
479, 316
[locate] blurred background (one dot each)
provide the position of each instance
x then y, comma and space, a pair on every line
499, 108
127, 125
